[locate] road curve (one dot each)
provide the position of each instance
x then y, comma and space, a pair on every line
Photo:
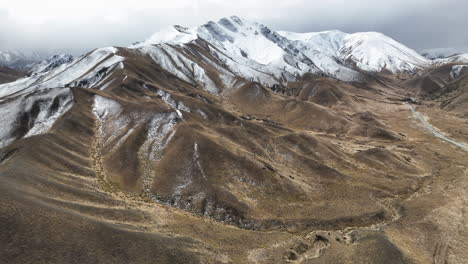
434, 131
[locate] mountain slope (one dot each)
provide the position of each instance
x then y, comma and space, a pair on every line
88, 69
257, 46
441, 53
333, 53
369, 51
460, 59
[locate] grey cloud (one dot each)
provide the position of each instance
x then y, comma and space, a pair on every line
418, 24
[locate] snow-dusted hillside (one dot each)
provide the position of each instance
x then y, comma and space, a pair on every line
440, 53
49, 63
369, 51
31, 105
252, 50
442, 56
18, 59
462, 59
33, 114
84, 71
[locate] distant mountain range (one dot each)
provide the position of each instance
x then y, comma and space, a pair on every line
440, 53
18, 59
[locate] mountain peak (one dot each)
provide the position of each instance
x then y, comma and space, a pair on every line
333, 53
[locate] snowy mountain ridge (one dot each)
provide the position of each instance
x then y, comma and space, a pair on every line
334, 53
49, 63
369, 51
441, 53
17, 59
217, 55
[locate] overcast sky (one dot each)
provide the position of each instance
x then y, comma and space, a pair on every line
80, 25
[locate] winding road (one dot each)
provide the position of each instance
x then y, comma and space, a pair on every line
434, 131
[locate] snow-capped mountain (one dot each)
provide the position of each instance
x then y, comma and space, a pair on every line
285, 54
45, 94
218, 56
250, 46
461, 59
369, 51
49, 63
84, 71
442, 56
19, 59
440, 53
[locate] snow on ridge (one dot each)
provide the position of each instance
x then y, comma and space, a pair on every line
71, 72
240, 48
50, 63
462, 59
171, 35
252, 45
115, 126
456, 70
97, 59
13, 113
371, 51
246, 49
441, 53
17, 59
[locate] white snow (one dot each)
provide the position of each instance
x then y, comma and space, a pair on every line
16, 113
196, 160
440, 53
462, 58
115, 126
370, 51
375, 52
84, 68
159, 128
11, 88
88, 64
322, 48
50, 63
252, 51
19, 59
235, 50
456, 70
104, 107
171, 35
327, 42
99, 73
249, 50
112, 122
243, 39
177, 106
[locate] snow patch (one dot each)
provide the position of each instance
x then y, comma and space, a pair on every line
196, 160
456, 71
33, 114
159, 128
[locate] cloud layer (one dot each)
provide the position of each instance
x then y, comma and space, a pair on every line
79, 26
